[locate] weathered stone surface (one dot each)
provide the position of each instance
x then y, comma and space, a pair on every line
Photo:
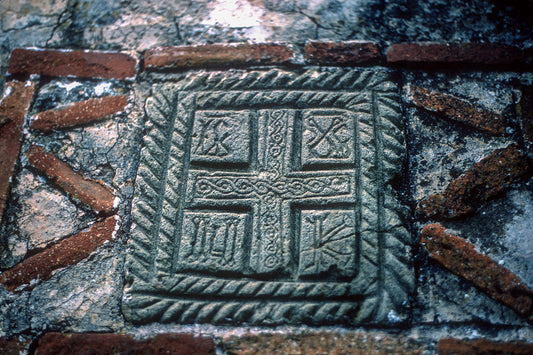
84, 297
271, 189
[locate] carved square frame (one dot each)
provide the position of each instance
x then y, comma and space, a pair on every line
378, 294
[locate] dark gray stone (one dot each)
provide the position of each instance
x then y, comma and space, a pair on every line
264, 197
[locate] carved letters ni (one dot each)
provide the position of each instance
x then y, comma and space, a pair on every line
264, 197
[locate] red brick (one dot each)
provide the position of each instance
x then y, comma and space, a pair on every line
85, 64
79, 113
342, 53
321, 343
67, 252
482, 182
88, 191
13, 346
460, 257
450, 346
108, 344
459, 110
459, 53
213, 55
13, 108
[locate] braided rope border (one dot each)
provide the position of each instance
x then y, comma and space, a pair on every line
385, 280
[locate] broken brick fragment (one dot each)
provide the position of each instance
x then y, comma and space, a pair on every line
459, 53
67, 252
84, 64
13, 346
459, 110
214, 55
342, 53
99, 197
107, 344
451, 346
460, 257
13, 108
79, 113
482, 182
321, 343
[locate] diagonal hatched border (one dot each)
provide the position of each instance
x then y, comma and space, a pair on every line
380, 291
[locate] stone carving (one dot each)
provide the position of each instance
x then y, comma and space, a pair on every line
269, 192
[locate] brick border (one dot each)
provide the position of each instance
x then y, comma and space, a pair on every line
477, 185
90, 192
83, 64
219, 54
470, 54
67, 252
14, 105
342, 53
452, 346
85, 343
79, 113
458, 110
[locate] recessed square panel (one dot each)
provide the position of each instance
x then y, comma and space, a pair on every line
328, 138
221, 136
212, 241
327, 243
264, 197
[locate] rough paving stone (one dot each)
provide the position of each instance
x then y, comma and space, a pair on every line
84, 297
458, 110
108, 344
485, 180
270, 189
67, 252
451, 346
321, 343
13, 107
79, 113
460, 257
342, 53
99, 197
459, 53
445, 298
85, 64
210, 55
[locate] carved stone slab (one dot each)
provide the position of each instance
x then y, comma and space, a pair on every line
264, 197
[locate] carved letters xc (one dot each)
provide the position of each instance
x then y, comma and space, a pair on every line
263, 197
